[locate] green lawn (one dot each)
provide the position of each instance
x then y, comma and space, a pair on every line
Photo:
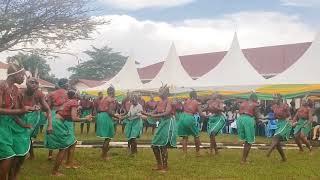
224, 166
146, 137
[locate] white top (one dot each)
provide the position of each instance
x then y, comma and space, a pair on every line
135, 111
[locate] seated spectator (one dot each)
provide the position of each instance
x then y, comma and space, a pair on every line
271, 124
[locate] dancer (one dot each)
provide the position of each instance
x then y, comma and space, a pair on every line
126, 104
150, 107
302, 123
105, 124
134, 125
63, 138
249, 112
165, 135
187, 125
86, 109
216, 121
33, 97
282, 112
56, 99
11, 106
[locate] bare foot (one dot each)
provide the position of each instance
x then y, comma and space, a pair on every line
164, 170
57, 174
106, 158
283, 160
72, 166
244, 162
49, 158
157, 168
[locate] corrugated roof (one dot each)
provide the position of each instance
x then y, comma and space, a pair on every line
266, 60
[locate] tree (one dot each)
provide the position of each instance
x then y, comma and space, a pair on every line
103, 63
34, 63
53, 22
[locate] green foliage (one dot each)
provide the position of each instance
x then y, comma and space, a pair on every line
34, 63
103, 64
52, 22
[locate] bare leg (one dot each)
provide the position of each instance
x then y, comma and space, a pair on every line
298, 141
81, 128
50, 155
88, 128
213, 144
105, 149
31, 152
129, 147
5, 168
17, 163
57, 164
315, 131
157, 155
197, 144
305, 141
70, 157
246, 151
275, 142
280, 150
134, 146
164, 156
185, 145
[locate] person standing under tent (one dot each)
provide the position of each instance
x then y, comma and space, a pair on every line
150, 107
33, 97
134, 124
11, 107
282, 113
105, 124
165, 135
216, 121
63, 138
302, 123
56, 99
249, 113
86, 109
187, 125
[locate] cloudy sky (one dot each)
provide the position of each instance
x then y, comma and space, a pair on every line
145, 29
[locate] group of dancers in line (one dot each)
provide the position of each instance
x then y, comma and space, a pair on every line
20, 109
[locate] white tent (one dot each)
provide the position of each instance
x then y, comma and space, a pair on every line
234, 72
172, 73
305, 70
127, 79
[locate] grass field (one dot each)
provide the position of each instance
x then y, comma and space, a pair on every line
146, 137
224, 166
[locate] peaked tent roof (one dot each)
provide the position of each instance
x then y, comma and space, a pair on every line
233, 71
305, 70
172, 73
126, 79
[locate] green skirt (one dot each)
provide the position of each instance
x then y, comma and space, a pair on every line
6, 139
32, 119
246, 127
283, 129
125, 121
166, 134
62, 136
85, 113
21, 136
304, 126
178, 115
215, 124
42, 122
187, 126
151, 121
133, 128
105, 126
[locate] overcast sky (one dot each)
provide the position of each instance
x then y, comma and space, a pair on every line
145, 29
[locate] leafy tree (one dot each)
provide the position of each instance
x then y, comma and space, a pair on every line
34, 63
52, 22
103, 64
